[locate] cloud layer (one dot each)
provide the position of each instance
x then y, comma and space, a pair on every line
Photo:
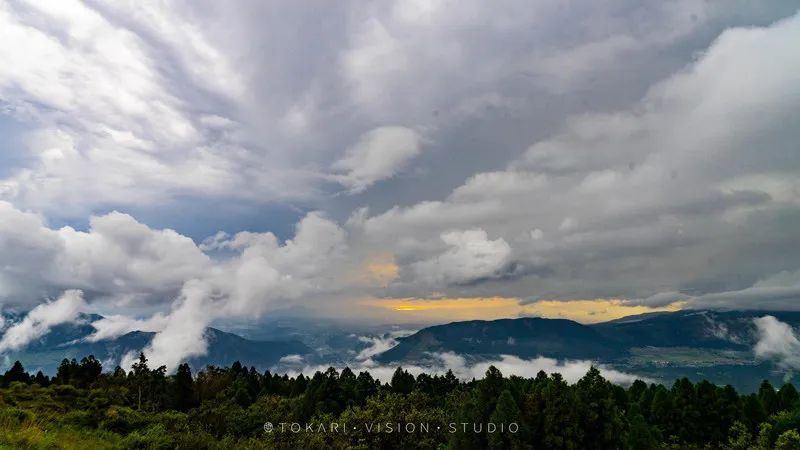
777, 341
539, 151
571, 370
40, 319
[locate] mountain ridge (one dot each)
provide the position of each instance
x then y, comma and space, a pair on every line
70, 341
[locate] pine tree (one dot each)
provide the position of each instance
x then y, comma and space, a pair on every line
752, 412
787, 397
402, 381
16, 373
140, 374
41, 379
183, 390
728, 407
768, 397
685, 410
709, 424
601, 419
661, 411
640, 435
506, 413
88, 371
556, 417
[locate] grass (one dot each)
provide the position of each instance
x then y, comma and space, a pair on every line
35, 434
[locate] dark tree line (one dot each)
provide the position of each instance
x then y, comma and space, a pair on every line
225, 407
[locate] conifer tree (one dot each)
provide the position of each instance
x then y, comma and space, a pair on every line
183, 390
506, 413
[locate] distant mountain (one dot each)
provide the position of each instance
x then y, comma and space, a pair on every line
563, 338
68, 341
716, 345
700, 329
526, 337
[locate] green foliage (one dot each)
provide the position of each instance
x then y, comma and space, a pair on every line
789, 440
505, 412
739, 437
226, 407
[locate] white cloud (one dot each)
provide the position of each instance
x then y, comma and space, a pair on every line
110, 327
183, 334
114, 100
505, 183
777, 341
111, 106
379, 344
291, 359
117, 256
571, 370
260, 276
128, 265
646, 197
379, 154
471, 256
40, 319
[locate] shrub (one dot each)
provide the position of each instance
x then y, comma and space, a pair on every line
15, 416
121, 419
154, 437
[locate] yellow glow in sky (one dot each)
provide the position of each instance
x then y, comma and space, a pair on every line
379, 270
589, 311
449, 309
490, 308
382, 269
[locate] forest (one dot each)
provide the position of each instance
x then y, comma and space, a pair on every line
238, 407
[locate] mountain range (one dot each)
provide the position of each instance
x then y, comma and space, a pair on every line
717, 345
69, 341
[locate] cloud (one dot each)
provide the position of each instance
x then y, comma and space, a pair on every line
101, 117
656, 197
110, 327
379, 154
778, 291
261, 275
571, 370
291, 359
777, 341
40, 319
629, 156
183, 334
128, 265
117, 257
660, 299
776, 298
472, 256
171, 104
487, 184
379, 344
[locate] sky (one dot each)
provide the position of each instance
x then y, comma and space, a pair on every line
174, 164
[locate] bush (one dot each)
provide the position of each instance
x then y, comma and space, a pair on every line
15, 416
123, 420
80, 418
154, 437
173, 421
